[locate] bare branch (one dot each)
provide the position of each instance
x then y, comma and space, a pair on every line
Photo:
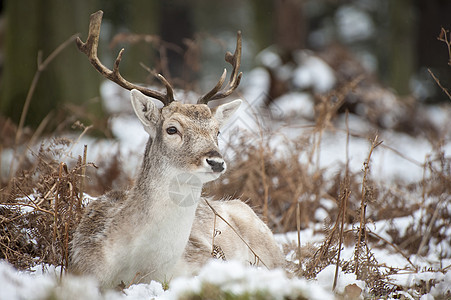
444, 38
439, 84
41, 67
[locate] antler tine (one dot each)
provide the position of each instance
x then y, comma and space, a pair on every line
169, 90
90, 49
235, 77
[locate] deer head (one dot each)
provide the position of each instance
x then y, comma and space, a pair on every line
183, 134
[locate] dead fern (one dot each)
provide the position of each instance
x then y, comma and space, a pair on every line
40, 209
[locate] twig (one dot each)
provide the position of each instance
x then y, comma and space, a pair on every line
18, 161
134, 279
362, 225
394, 247
41, 66
439, 84
213, 236
83, 175
56, 204
1, 155
65, 246
48, 193
264, 182
298, 228
344, 201
444, 38
27, 205
35, 206
65, 256
400, 154
429, 228
85, 130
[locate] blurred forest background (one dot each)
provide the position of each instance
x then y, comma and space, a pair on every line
395, 40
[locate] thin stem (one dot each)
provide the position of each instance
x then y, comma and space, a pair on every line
213, 235
265, 184
439, 84
41, 67
298, 228
362, 225
83, 176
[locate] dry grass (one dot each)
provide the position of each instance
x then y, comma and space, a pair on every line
263, 176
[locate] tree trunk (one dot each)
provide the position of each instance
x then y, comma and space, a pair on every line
42, 25
402, 51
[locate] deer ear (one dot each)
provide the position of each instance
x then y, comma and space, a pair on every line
225, 111
146, 111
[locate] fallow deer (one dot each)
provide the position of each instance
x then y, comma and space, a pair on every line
162, 226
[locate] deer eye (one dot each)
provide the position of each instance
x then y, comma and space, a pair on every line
172, 130
219, 132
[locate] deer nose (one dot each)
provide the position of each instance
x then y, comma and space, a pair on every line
217, 164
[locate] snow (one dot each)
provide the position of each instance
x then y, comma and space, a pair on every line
347, 17
222, 277
269, 58
293, 104
237, 279
312, 72
228, 277
17, 285
326, 279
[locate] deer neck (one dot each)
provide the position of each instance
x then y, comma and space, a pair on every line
159, 185
156, 221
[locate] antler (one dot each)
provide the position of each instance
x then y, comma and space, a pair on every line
235, 77
90, 49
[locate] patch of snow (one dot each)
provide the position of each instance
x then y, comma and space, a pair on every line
439, 116
308, 235
353, 24
326, 279
410, 279
115, 99
257, 85
237, 279
321, 214
130, 132
394, 159
17, 285
144, 291
312, 72
443, 287
328, 203
7, 156
293, 104
269, 58
231, 277
368, 60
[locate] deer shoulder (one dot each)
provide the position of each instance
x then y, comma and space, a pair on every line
229, 230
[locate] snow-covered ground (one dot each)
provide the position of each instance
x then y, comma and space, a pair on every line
224, 277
